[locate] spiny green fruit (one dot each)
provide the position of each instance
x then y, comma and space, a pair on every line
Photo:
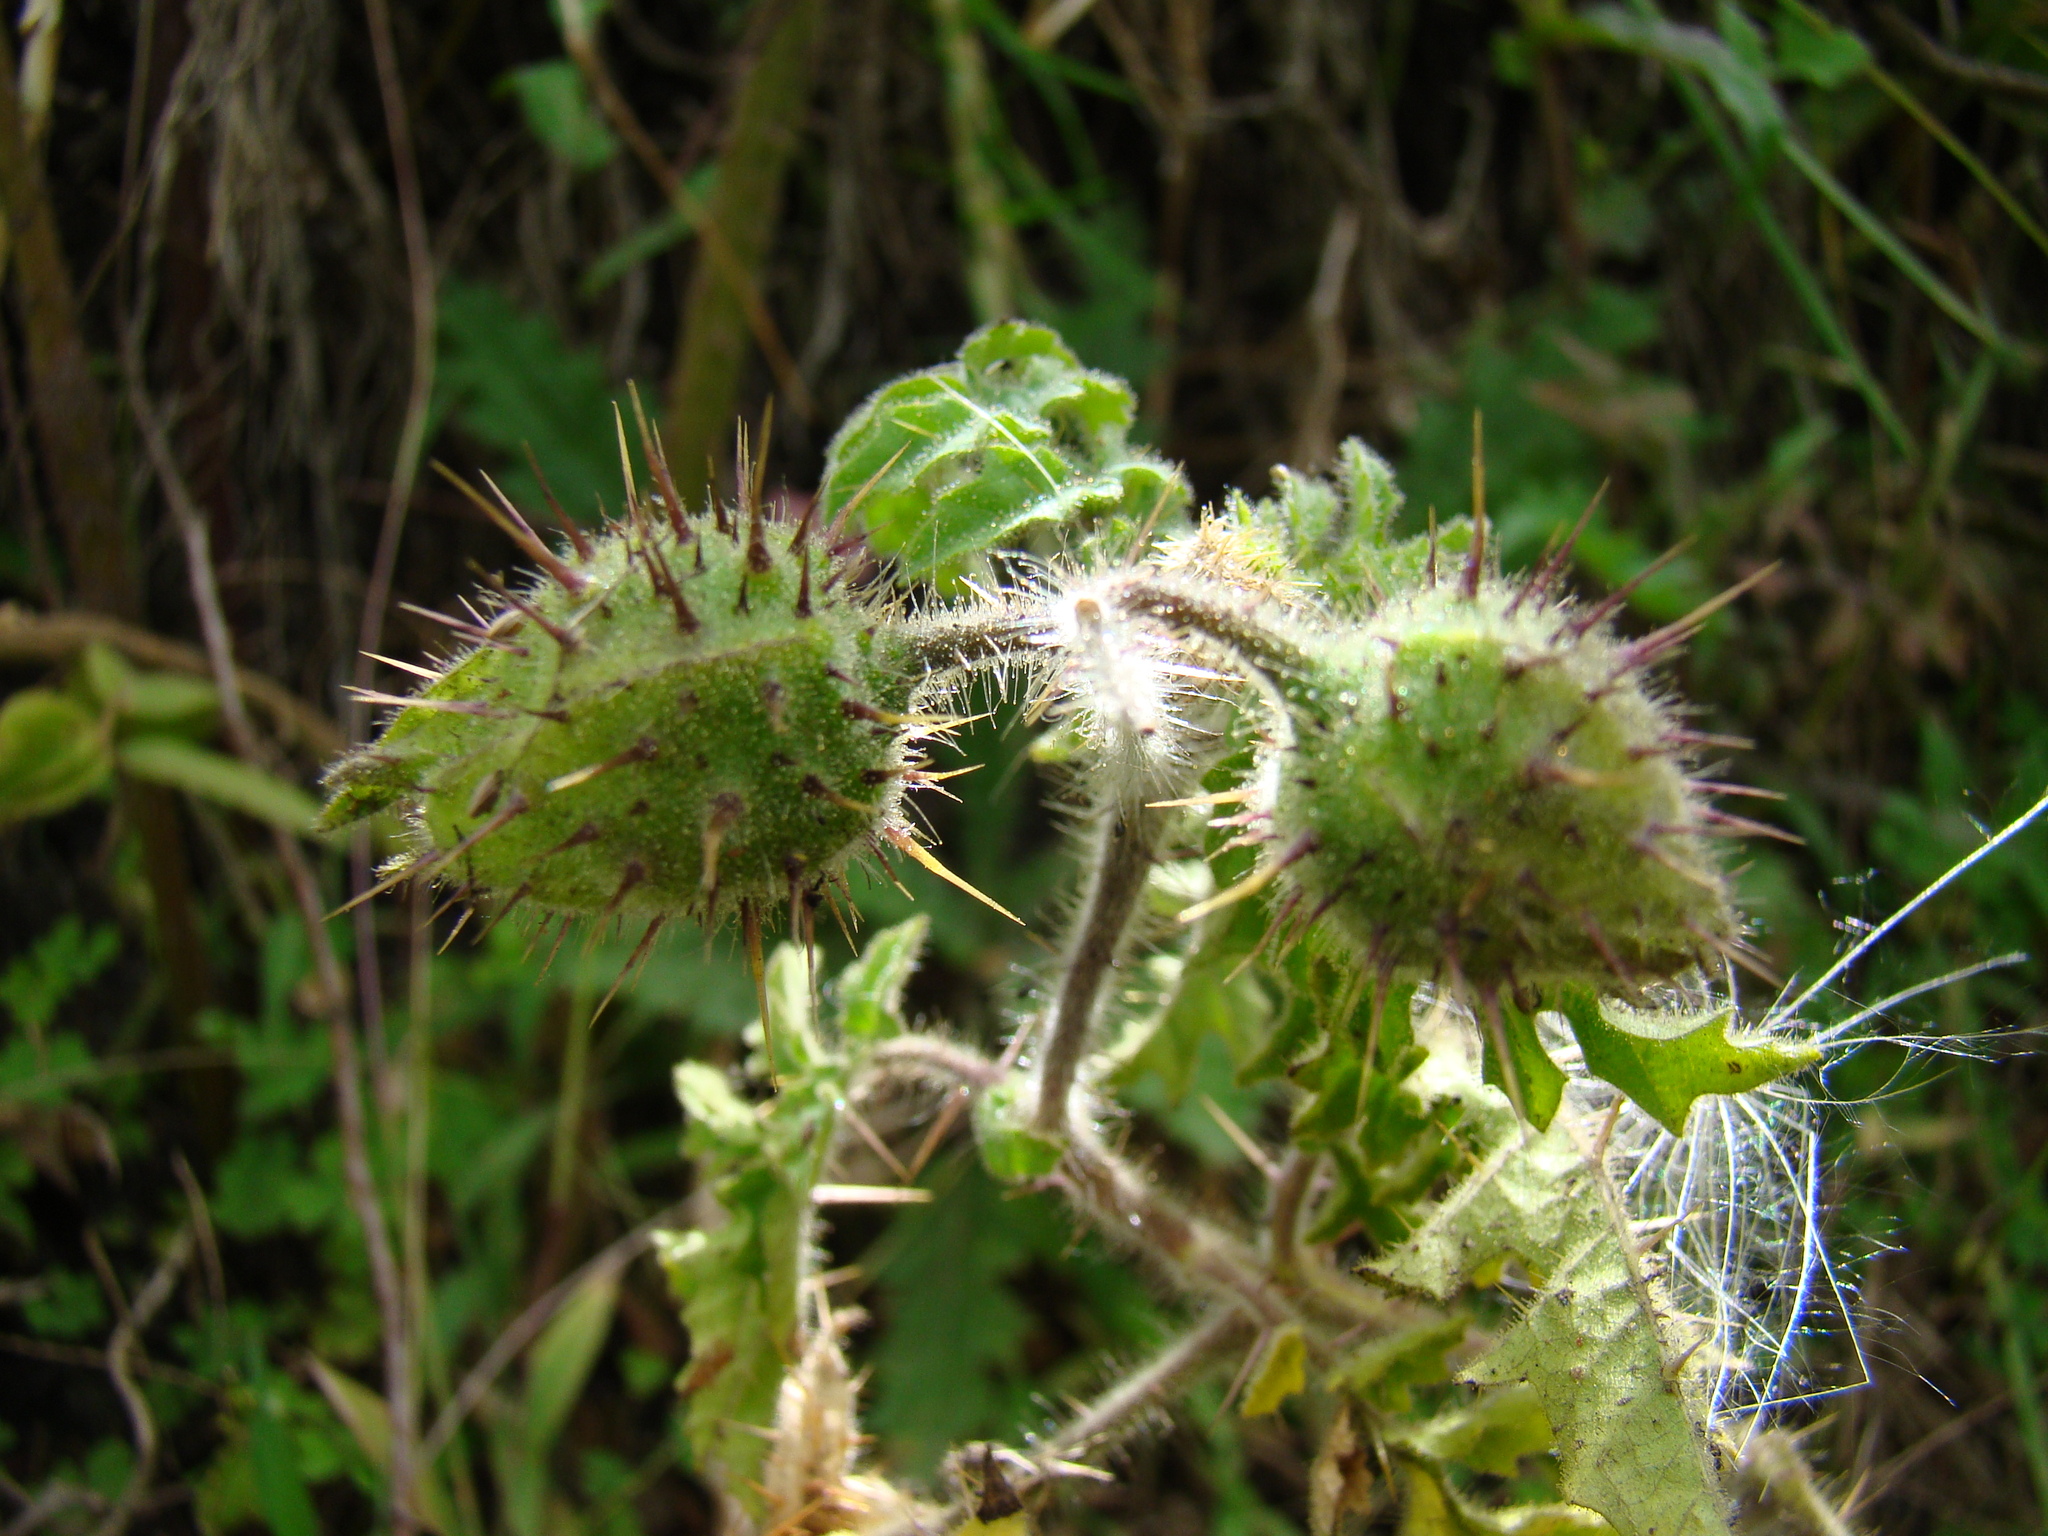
1482, 784
684, 717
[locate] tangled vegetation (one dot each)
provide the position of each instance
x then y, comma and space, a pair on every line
1208, 975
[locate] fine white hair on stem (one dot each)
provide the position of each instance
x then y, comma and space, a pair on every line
1134, 691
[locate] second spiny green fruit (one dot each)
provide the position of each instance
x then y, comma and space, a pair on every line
1483, 786
686, 717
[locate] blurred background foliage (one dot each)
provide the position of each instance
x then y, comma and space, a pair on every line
1773, 274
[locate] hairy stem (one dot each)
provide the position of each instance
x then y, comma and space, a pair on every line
1283, 1221
1128, 837
1197, 1253
1101, 1419
968, 1065
1776, 1469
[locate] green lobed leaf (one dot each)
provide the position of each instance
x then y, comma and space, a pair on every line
1539, 1081
1336, 529
559, 112
1012, 434
66, 957
53, 753
868, 994
1666, 1060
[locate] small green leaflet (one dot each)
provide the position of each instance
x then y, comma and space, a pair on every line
1664, 1061
1014, 433
739, 1283
1538, 1081
869, 992
53, 753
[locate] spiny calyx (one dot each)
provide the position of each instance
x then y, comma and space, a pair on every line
1483, 785
687, 717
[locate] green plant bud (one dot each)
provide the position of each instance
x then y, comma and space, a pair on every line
1337, 530
1484, 786
947, 464
685, 718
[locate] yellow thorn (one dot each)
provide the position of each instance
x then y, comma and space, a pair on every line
407, 666
905, 843
1250, 885
580, 776
750, 929
626, 466
1222, 797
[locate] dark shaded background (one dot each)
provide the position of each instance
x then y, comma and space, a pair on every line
1286, 223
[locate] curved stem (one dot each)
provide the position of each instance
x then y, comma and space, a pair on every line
1190, 610
1115, 1408
1128, 837
1283, 1222
1199, 1254
955, 1060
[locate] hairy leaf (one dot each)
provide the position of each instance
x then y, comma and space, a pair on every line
869, 992
53, 753
1013, 434
1598, 1341
739, 1282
